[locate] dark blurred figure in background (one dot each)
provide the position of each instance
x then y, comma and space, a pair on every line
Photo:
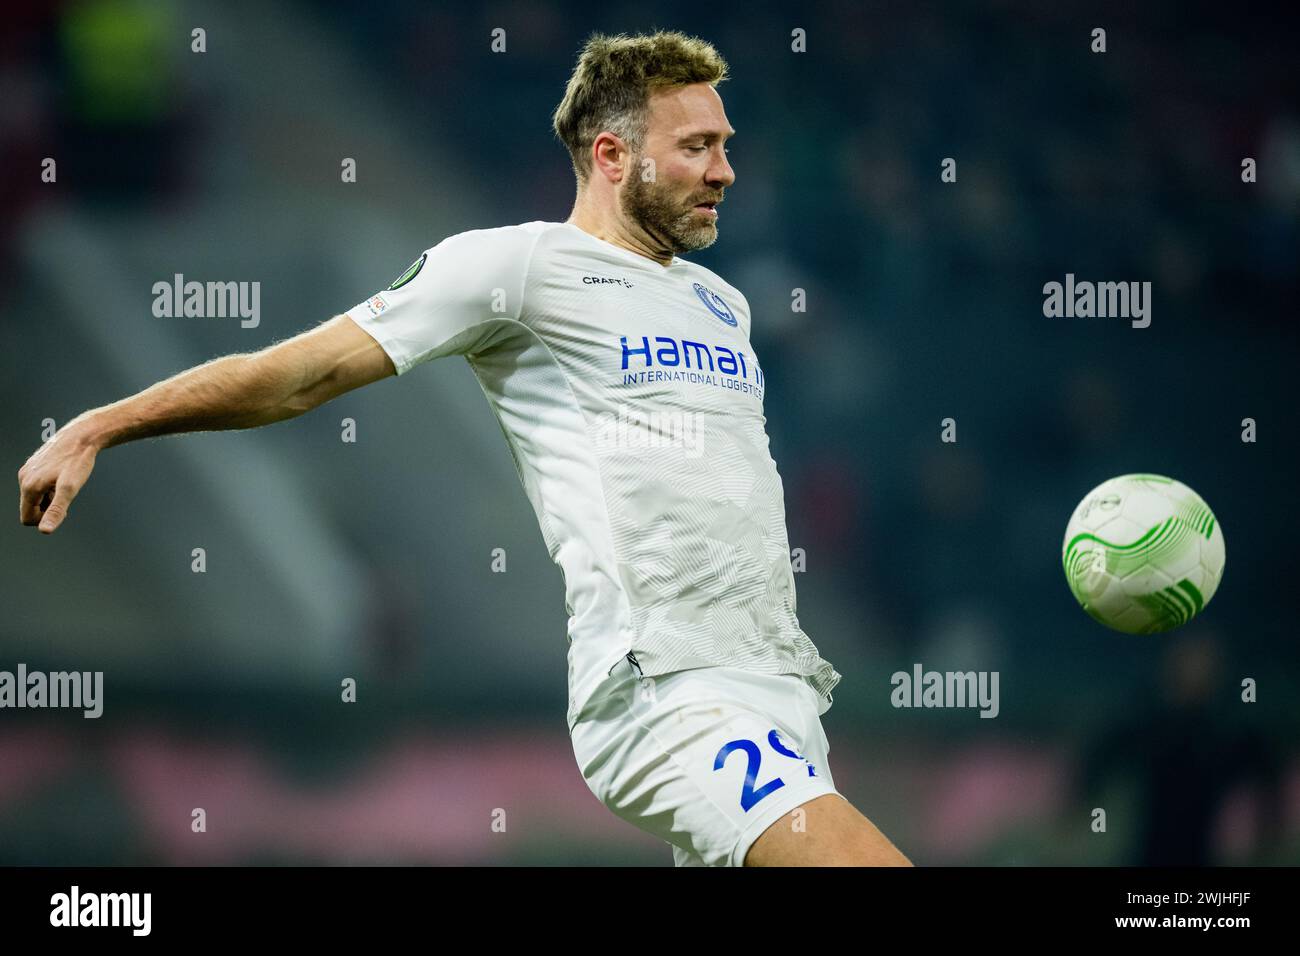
1189, 752
121, 98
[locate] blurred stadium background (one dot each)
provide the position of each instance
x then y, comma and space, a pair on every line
372, 560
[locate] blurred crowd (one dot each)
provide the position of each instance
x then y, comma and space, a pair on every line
924, 302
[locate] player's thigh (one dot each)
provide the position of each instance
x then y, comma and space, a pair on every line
825, 831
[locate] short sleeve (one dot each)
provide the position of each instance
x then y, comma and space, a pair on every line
445, 303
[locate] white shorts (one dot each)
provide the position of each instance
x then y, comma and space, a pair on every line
705, 759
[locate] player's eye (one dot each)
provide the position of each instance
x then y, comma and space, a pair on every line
700, 148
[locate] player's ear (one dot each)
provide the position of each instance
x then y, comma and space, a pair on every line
610, 157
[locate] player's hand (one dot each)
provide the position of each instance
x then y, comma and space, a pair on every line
51, 478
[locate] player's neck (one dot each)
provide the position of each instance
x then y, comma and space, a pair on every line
613, 232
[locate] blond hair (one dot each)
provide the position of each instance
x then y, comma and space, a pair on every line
611, 85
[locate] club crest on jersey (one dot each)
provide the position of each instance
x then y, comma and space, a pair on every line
715, 304
376, 304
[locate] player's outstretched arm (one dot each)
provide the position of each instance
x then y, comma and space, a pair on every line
234, 391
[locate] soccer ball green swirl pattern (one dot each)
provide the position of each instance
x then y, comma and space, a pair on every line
1143, 554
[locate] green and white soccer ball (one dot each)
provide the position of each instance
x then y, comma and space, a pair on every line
1143, 553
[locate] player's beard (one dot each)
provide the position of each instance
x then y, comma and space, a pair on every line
658, 211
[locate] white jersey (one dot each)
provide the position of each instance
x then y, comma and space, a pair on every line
632, 403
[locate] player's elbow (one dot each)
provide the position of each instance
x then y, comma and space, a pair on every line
311, 369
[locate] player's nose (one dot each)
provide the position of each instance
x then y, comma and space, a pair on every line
720, 171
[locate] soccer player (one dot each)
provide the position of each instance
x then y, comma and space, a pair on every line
632, 402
